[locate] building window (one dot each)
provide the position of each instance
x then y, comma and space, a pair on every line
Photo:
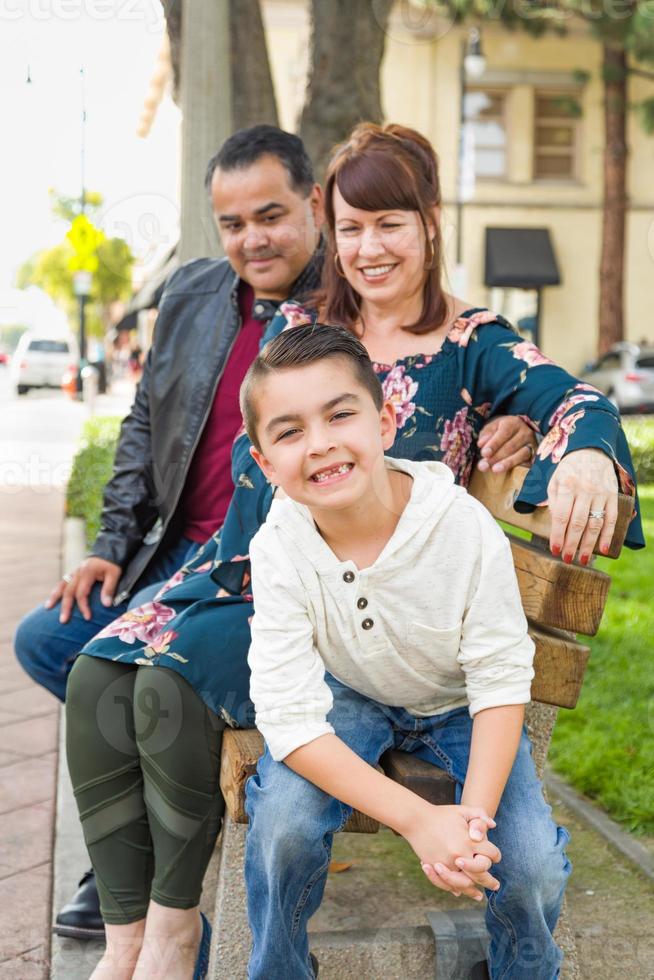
485, 131
556, 131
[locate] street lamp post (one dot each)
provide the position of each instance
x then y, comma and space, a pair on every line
472, 65
82, 288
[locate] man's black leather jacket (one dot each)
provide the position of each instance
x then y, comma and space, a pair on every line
196, 328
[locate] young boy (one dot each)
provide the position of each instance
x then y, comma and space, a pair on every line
387, 614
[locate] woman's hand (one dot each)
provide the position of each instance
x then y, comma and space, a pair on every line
584, 484
505, 442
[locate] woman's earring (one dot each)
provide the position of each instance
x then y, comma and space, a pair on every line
339, 267
430, 264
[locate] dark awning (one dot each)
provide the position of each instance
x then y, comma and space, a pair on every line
128, 322
149, 295
521, 257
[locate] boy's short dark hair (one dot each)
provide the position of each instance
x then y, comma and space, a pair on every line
298, 347
246, 146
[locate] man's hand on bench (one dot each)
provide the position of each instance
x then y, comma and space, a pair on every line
76, 586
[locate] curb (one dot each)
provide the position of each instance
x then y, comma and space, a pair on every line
70, 959
590, 814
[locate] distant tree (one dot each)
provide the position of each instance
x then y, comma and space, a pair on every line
253, 93
49, 268
625, 30
347, 46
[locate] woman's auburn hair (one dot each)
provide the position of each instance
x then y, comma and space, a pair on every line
383, 168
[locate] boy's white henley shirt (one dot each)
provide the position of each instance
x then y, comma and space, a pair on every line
435, 623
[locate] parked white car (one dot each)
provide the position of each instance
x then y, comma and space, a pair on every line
40, 361
626, 374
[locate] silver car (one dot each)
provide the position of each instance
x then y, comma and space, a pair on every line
626, 375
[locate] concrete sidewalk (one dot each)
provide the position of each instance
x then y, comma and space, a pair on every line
30, 549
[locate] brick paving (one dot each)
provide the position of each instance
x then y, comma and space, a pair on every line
30, 548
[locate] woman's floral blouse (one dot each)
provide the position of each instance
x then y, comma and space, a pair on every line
199, 623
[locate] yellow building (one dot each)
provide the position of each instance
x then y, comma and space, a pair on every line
535, 164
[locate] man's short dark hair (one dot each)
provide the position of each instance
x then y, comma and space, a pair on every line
246, 146
298, 347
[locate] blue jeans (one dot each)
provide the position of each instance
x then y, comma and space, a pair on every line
292, 823
46, 648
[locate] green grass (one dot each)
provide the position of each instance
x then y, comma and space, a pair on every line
605, 747
640, 436
92, 468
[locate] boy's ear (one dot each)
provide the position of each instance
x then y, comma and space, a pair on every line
267, 468
388, 423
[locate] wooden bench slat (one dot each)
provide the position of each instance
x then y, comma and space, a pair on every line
427, 780
559, 665
498, 491
240, 753
556, 595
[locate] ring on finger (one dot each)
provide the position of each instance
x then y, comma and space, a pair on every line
68, 578
531, 450
597, 515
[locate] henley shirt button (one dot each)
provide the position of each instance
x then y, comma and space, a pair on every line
367, 624
348, 577
362, 603
258, 308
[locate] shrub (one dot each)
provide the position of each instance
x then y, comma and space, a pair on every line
92, 468
640, 436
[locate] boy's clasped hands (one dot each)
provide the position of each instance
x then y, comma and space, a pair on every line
455, 837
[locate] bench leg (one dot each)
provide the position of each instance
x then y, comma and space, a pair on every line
231, 940
541, 719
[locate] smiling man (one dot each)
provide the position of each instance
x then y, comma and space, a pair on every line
172, 477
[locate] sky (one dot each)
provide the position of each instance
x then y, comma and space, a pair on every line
116, 42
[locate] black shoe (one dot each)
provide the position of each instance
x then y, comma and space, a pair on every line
314, 964
480, 971
81, 918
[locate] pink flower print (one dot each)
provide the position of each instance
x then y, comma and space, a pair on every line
583, 386
555, 442
204, 567
399, 388
627, 485
170, 584
161, 644
456, 441
530, 422
462, 329
528, 352
466, 396
569, 403
142, 623
296, 315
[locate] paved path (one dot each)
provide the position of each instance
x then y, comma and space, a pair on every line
30, 546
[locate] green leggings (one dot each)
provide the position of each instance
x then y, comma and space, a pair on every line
144, 759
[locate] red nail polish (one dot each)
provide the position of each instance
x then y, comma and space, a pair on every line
556, 549
584, 559
604, 549
567, 558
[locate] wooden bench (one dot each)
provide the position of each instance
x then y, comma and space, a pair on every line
559, 600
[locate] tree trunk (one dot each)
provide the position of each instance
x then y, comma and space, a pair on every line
347, 47
253, 95
611, 304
